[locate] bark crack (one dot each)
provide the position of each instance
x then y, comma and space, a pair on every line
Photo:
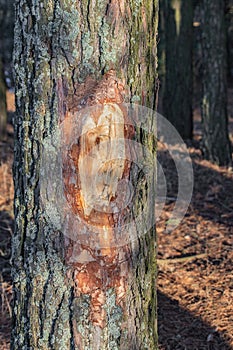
55, 319
71, 312
42, 305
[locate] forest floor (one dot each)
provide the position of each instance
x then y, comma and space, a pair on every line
195, 261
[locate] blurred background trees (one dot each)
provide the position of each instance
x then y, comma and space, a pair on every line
229, 23
216, 143
3, 108
6, 48
195, 67
176, 26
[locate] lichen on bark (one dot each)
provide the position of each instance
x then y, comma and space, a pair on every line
61, 49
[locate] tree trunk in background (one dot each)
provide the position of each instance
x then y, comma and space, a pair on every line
7, 37
70, 54
3, 108
229, 17
161, 55
177, 96
214, 84
6, 44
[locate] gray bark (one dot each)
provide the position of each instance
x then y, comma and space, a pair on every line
66, 52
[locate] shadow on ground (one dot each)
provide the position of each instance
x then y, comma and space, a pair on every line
212, 192
195, 296
180, 330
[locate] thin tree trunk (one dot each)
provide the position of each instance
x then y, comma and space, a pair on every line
177, 96
3, 106
69, 294
214, 84
229, 22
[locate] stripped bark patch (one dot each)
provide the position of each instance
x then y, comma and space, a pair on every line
93, 167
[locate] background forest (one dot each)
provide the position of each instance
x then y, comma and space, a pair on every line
195, 278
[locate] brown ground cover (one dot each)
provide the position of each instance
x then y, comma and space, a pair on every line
195, 272
195, 266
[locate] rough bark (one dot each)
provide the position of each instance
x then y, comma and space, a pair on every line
177, 90
214, 84
70, 55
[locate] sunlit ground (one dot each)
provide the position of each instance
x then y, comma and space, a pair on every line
195, 279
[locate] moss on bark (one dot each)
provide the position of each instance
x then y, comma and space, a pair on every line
59, 45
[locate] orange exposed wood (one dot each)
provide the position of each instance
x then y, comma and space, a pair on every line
105, 267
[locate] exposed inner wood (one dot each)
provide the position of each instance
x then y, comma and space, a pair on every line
98, 163
101, 159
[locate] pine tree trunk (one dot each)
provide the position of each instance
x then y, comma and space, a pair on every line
177, 96
214, 84
229, 22
70, 55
